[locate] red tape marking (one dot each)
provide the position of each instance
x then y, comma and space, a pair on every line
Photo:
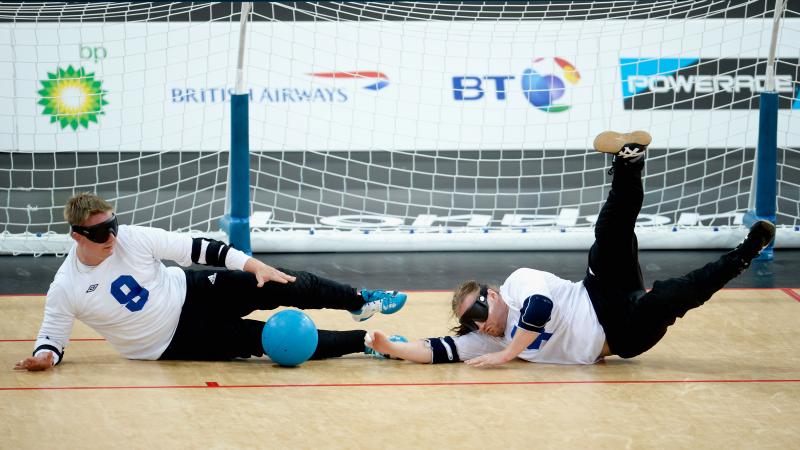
430, 384
791, 293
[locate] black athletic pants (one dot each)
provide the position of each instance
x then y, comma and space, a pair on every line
634, 321
211, 326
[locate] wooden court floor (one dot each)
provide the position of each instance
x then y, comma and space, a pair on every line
726, 376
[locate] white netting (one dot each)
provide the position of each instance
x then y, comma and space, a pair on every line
788, 191
87, 109
428, 125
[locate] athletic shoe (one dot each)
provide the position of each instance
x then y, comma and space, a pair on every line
385, 302
378, 355
760, 236
628, 146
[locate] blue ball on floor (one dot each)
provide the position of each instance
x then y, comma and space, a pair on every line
289, 337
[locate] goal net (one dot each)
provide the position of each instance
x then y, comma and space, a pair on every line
394, 125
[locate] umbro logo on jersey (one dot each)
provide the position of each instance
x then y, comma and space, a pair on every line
92, 288
212, 278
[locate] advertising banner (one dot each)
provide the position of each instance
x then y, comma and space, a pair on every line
391, 85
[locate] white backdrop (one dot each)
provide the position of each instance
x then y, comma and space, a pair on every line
164, 84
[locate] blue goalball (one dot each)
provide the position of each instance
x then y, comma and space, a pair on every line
289, 337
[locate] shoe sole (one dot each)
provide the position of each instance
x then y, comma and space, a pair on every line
763, 229
613, 142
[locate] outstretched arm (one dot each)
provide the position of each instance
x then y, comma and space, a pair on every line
54, 332
534, 314
205, 251
417, 351
216, 253
522, 339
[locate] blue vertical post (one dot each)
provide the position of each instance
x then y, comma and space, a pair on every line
237, 222
766, 173
763, 195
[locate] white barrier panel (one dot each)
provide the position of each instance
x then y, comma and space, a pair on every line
310, 241
661, 238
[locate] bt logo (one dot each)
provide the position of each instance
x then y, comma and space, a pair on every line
545, 85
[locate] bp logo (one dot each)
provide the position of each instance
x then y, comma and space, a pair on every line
72, 97
545, 85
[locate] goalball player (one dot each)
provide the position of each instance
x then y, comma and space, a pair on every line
539, 317
113, 280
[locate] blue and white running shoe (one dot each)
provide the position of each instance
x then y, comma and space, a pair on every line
385, 302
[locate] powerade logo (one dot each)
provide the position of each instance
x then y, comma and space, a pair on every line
697, 83
375, 81
545, 85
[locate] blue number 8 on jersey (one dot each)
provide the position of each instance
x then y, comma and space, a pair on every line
133, 296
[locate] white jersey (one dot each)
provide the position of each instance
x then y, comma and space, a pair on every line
573, 335
131, 298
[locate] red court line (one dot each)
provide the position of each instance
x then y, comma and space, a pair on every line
71, 340
791, 293
215, 385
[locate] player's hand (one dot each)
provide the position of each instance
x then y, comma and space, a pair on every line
265, 273
378, 341
270, 273
489, 360
35, 363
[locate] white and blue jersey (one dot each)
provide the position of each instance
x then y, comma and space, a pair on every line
572, 335
132, 299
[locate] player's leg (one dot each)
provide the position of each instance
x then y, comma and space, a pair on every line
338, 343
236, 293
669, 299
310, 291
206, 337
614, 256
203, 334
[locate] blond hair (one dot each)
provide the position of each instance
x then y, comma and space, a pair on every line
82, 205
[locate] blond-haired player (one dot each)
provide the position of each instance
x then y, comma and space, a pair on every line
114, 281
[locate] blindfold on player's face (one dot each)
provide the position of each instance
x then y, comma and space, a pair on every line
477, 312
100, 232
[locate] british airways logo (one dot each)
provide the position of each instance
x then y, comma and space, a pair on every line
265, 95
382, 82
324, 92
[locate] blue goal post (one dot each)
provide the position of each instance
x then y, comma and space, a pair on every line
763, 194
236, 221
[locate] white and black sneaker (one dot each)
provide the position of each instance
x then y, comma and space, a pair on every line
628, 148
625, 145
